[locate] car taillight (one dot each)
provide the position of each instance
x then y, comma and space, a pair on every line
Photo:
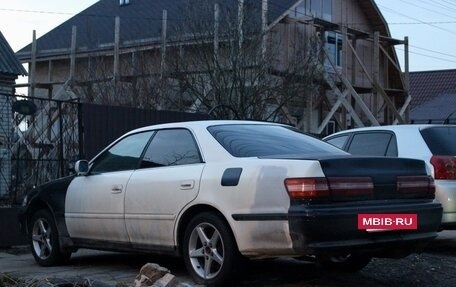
444, 167
415, 186
307, 188
332, 188
351, 188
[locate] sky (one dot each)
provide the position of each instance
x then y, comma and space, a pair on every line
429, 24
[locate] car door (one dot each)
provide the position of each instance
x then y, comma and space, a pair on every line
94, 206
167, 180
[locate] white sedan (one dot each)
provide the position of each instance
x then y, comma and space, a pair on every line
435, 144
213, 191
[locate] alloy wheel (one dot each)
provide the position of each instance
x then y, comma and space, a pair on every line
41, 238
206, 251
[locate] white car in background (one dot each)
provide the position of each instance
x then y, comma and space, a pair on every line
435, 144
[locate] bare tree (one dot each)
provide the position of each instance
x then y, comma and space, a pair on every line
221, 58
230, 66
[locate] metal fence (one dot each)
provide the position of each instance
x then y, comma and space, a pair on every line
39, 140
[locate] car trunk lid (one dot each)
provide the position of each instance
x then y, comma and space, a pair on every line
392, 178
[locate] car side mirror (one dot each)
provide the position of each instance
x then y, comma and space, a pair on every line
81, 167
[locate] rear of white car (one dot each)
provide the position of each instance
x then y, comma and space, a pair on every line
441, 141
435, 144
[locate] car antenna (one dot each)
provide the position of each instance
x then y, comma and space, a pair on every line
447, 120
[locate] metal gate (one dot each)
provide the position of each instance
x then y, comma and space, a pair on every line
39, 139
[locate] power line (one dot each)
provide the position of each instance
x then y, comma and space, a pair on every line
446, 7
427, 56
449, 3
421, 23
415, 19
418, 22
427, 9
433, 51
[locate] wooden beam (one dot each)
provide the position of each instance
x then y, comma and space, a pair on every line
342, 98
405, 108
391, 60
33, 65
344, 50
216, 30
241, 23
406, 65
50, 70
345, 39
164, 40
379, 88
264, 27
407, 76
73, 52
355, 95
116, 48
376, 72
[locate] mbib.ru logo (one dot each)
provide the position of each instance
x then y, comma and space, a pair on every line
387, 221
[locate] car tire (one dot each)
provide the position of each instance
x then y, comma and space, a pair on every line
44, 240
346, 263
209, 249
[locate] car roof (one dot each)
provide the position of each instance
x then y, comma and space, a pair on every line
395, 128
202, 124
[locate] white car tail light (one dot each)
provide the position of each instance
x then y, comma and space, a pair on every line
415, 186
332, 188
444, 167
307, 188
351, 188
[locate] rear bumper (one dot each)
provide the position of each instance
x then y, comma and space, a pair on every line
332, 230
445, 193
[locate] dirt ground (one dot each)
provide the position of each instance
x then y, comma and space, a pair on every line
435, 267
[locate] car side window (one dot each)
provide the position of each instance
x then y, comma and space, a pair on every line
124, 155
374, 144
338, 141
171, 147
392, 147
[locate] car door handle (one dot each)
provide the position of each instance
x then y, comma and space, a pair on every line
188, 184
116, 189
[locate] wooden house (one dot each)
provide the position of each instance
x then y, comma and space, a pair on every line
130, 52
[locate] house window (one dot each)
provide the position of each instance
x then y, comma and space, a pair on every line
334, 48
317, 8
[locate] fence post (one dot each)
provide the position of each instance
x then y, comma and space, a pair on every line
61, 160
80, 132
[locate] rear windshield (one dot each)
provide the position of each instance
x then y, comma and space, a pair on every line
268, 140
440, 140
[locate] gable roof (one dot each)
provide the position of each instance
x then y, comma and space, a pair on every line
140, 21
375, 16
436, 110
9, 64
426, 86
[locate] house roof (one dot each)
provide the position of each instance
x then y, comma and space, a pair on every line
426, 86
436, 110
9, 64
140, 24
375, 17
